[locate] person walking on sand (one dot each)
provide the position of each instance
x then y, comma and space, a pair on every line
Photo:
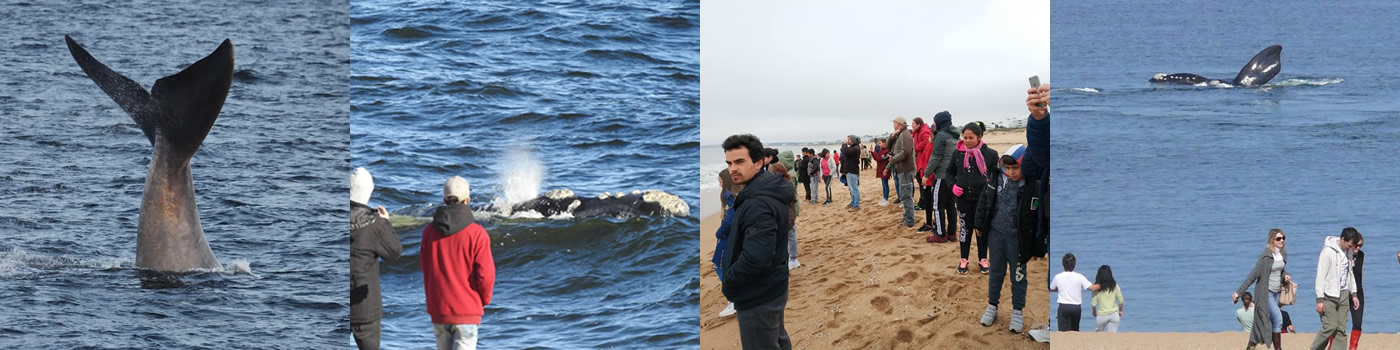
940, 172
850, 167
1269, 277
1335, 287
814, 171
1107, 302
970, 166
902, 164
882, 158
728, 189
1071, 286
1245, 314
1358, 257
1006, 213
755, 278
371, 239
458, 270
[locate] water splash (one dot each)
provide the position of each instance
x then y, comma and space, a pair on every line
522, 176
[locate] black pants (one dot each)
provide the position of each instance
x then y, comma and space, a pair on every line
806, 190
929, 203
967, 213
1068, 317
1356, 314
762, 327
947, 210
366, 335
826, 181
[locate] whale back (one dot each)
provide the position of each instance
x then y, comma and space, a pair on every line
1262, 68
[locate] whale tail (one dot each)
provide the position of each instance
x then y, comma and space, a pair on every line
1260, 69
180, 109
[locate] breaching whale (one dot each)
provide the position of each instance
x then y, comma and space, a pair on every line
1260, 69
175, 116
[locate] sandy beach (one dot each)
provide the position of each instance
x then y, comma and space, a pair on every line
867, 282
1185, 341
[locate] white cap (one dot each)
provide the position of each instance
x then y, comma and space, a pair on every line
457, 186
361, 186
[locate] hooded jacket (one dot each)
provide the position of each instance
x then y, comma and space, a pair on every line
814, 168
1259, 276
458, 270
902, 151
1332, 266
945, 145
1025, 220
850, 158
881, 161
802, 175
968, 176
922, 146
371, 238
755, 265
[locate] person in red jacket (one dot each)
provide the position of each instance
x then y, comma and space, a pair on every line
458, 271
923, 146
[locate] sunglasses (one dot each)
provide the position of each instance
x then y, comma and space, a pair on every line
1279, 238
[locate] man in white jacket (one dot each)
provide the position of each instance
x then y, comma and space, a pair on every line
1334, 287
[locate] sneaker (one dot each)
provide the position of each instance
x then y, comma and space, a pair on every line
984, 265
989, 316
792, 264
962, 267
925, 228
884, 202
933, 239
728, 311
1016, 322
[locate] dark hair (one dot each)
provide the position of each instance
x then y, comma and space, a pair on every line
1248, 298
778, 168
1068, 262
746, 141
1351, 235
976, 127
824, 152
918, 121
772, 152
451, 200
1105, 279
726, 183
1008, 160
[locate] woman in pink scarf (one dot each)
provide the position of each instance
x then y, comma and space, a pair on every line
971, 164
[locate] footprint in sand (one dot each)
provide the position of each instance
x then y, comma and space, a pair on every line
882, 304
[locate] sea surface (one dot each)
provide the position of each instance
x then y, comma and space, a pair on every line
269, 178
523, 98
1176, 187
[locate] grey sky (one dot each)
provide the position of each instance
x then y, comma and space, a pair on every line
820, 70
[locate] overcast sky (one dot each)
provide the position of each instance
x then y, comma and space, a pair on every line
820, 70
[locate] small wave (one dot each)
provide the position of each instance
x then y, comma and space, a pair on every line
246, 75
624, 55
613, 142
18, 263
1087, 90
412, 32
673, 22
1308, 82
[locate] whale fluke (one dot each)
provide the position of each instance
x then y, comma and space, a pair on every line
175, 116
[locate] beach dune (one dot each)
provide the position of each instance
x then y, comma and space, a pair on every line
866, 282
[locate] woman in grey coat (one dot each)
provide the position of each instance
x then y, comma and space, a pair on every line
1268, 278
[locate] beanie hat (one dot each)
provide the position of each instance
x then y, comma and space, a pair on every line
943, 120
457, 187
361, 186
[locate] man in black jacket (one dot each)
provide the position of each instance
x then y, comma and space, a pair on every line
755, 266
371, 238
802, 177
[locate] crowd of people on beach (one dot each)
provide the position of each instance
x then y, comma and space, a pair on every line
998, 199
459, 272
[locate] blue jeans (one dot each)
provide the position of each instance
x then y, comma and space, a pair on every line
853, 183
455, 336
1006, 257
1275, 316
885, 184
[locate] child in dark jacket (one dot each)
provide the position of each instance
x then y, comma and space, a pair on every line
972, 164
1006, 215
722, 234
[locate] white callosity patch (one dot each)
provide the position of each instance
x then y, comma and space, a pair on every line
572, 206
1160, 76
669, 202
604, 195
560, 194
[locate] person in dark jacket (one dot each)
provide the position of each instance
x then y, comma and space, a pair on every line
458, 270
971, 166
803, 177
1037, 165
850, 168
1006, 215
1358, 257
939, 172
755, 271
902, 164
371, 239
814, 172
728, 189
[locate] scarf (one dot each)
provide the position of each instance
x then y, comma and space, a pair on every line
974, 153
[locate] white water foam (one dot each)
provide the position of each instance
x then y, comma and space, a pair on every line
18, 263
1085, 90
1309, 82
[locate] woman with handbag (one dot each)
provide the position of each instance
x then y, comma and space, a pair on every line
1269, 278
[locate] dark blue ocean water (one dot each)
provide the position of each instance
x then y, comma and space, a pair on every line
270, 178
523, 98
1177, 187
